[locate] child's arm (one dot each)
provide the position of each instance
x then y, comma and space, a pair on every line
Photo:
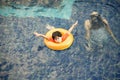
40, 35
74, 25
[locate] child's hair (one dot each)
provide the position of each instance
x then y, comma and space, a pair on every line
55, 34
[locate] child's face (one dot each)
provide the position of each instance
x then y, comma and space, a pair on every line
58, 39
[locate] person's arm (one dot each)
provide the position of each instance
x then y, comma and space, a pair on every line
87, 26
40, 35
72, 27
110, 31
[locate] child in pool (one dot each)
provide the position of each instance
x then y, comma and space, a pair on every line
57, 36
94, 23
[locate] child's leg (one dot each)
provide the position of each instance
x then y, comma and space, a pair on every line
72, 27
40, 35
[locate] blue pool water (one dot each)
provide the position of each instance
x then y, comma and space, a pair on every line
63, 10
25, 57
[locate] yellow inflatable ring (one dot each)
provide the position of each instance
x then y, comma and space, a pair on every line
59, 46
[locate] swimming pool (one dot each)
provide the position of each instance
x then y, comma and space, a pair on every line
47, 8
25, 57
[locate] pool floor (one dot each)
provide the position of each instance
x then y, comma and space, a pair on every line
25, 57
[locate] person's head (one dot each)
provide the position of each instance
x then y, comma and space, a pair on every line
96, 20
57, 36
95, 16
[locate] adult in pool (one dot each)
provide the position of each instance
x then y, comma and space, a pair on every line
57, 36
96, 22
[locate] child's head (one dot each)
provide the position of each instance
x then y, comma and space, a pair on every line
57, 36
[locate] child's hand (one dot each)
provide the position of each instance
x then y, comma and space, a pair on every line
36, 34
49, 27
76, 23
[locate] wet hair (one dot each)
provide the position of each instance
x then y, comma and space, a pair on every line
96, 21
55, 34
